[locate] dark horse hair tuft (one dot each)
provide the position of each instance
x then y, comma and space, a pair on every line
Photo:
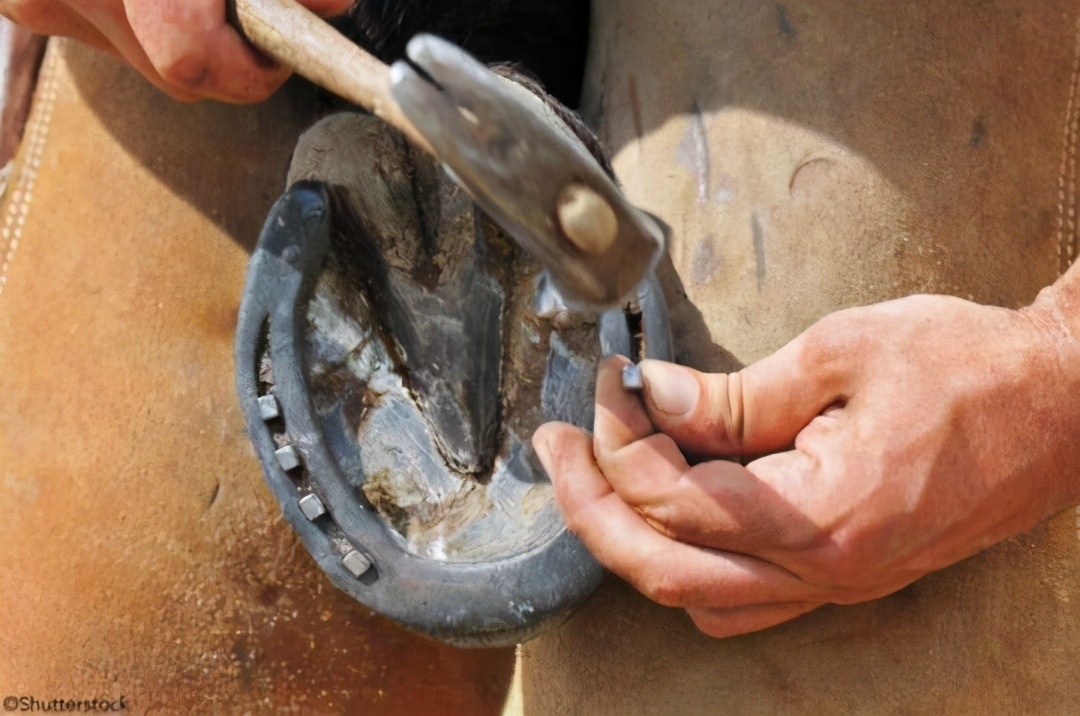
546, 38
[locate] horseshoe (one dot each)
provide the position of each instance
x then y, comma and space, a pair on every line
394, 352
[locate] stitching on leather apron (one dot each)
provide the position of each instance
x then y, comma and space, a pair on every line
37, 130
1067, 233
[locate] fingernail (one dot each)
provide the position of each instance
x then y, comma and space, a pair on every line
672, 389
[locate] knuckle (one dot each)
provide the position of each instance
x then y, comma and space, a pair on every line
626, 469
188, 71
827, 346
822, 340
606, 459
727, 395
803, 539
194, 76
838, 568
663, 586
660, 518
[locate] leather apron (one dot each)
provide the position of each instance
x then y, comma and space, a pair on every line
811, 156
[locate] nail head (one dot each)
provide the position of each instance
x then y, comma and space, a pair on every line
312, 507
268, 407
356, 563
288, 458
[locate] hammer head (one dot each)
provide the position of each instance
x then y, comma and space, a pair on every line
523, 166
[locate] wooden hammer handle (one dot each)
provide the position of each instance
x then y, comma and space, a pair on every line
301, 40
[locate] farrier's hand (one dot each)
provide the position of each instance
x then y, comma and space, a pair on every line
185, 47
900, 438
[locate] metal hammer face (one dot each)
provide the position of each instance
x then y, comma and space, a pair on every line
522, 166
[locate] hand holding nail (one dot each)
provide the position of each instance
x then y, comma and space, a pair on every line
870, 461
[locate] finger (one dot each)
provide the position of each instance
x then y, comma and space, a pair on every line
559, 447
666, 571
757, 410
721, 623
53, 19
112, 24
644, 473
716, 504
674, 573
327, 8
194, 51
620, 415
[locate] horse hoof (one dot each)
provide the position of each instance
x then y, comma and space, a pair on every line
392, 364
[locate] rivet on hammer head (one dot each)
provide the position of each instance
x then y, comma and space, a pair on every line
312, 507
291, 254
586, 218
288, 458
356, 563
268, 407
631, 377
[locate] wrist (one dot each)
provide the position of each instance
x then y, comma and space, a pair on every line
1055, 319
1060, 302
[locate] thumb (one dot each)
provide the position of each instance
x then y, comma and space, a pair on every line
757, 410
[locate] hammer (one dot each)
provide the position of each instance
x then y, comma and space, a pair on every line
493, 138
